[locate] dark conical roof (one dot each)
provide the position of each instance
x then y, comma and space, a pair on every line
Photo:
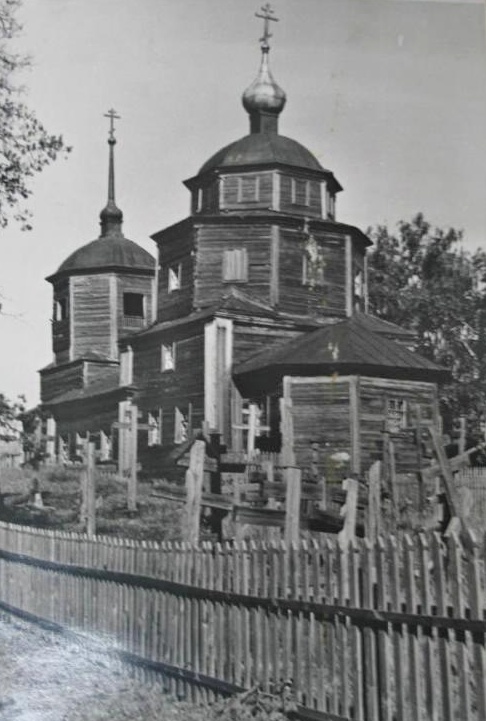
111, 253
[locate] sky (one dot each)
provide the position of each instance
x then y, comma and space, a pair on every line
388, 94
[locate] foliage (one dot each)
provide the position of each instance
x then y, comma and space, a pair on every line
26, 146
423, 279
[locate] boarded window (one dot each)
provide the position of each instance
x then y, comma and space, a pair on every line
300, 191
235, 266
248, 189
174, 277
126, 367
181, 426
396, 415
313, 264
167, 360
133, 305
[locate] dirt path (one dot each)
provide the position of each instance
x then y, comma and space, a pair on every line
43, 677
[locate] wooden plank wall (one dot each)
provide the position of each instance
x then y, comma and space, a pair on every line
180, 387
91, 315
312, 209
321, 415
245, 191
373, 395
176, 248
300, 299
392, 629
212, 240
97, 372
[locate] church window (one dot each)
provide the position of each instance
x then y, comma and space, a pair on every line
396, 415
313, 264
235, 266
61, 309
155, 428
248, 188
133, 305
174, 277
199, 200
181, 426
126, 367
167, 359
299, 191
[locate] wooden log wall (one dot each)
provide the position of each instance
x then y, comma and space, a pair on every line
170, 389
300, 299
96, 372
304, 201
91, 315
393, 629
212, 240
373, 395
174, 249
245, 191
321, 415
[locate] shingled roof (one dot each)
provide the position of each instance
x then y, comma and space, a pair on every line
346, 347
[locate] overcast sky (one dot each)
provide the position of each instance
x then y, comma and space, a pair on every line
388, 94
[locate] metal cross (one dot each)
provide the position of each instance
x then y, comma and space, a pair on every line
267, 15
113, 116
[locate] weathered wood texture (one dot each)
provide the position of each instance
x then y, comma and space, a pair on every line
98, 372
374, 395
176, 388
246, 191
303, 299
304, 198
212, 240
174, 250
321, 414
94, 414
57, 380
365, 630
250, 339
91, 329
142, 285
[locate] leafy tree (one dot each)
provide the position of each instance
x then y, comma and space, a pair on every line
423, 279
26, 146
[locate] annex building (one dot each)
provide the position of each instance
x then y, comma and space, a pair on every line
259, 294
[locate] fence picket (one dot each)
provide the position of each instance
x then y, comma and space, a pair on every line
443, 639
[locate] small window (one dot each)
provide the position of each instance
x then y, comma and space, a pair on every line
174, 278
300, 191
396, 415
154, 428
181, 426
235, 266
61, 309
248, 189
133, 305
199, 200
167, 361
313, 264
126, 367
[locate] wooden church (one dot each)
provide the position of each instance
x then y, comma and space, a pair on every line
260, 294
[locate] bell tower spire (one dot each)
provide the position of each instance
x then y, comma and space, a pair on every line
264, 100
111, 217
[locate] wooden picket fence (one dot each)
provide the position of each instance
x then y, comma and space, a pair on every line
369, 632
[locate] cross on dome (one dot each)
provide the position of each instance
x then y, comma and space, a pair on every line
112, 115
267, 15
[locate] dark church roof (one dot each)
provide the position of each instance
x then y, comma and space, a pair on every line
349, 346
112, 252
263, 149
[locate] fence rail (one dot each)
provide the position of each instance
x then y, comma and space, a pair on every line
369, 632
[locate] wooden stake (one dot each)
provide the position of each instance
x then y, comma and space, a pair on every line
132, 481
90, 502
194, 483
374, 505
293, 483
349, 510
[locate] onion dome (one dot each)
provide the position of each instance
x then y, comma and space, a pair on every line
264, 100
